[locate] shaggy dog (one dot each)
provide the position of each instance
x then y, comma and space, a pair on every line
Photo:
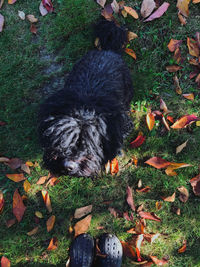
82, 126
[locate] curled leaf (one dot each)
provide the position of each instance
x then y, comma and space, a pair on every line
184, 121
129, 198
1, 201
183, 6
130, 52
150, 120
46, 199
195, 183
159, 12
33, 232
138, 141
183, 248
170, 198
149, 216
53, 244
184, 194
193, 47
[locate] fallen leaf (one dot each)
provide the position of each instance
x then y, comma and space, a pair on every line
113, 212
128, 250
33, 28
53, 244
183, 248
163, 106
184, 194
25, 168
131, 12
177, 55
147, 7
48, 5
53, 181
50, 223
173, 68
10, 222
18, 206
170, 118
107, 12
131, 36
189, 96
10, 2
195, 183
195, 1
32, 18
114, 166
170, 198
42, 179
21, 14
139, 183
139, 240
150, 120
144, 190
129, 198
174, 44
124, 13
151, 237
27, 186
38, 214
4, 159
181, 18
14, 163
130, 52
2, 201
149, 216
101, 2
138, 141
43, 10
17, 177
82, 226
180, 148
173, 166
197, 80
46, 199
140, 225
29, 163
33, 231
159, 12
5, 262
115, 6
158, 162
158, 205
80, 212
184, 121
158, 262
177, 85
183, 7
193, 47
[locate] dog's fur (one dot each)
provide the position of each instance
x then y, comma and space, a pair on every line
82, 126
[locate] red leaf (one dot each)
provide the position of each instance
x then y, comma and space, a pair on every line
18, 206
129, 198
195, 183
149, 216
158, 163
159, 12
138, 141
48, 5
5, 262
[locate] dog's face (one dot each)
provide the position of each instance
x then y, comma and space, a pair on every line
74, 144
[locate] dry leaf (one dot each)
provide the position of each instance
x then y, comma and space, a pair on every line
131, 12
33, 28
101, 2
83, 225
177, 55
48, 5
147, 7
115, 6
184, 121
43, 10
50, 223
53, 244
18, 206
128, 250
193, 47
173, 68
151, 237
27, 186
170, 118
25, 168
195, 183
131, 36
21, 14
5, 262
79, 213
10, 2
52, 181
158, 162
158, 262
14, 163
183, 6
144, 190
129, 198
177, 85
149, 216
182, 19
159, 12
114, 166
180, 148
184, 194
189, 96
130, 52
163, 106
32, 18
33, 232
113, 212
150, 120
158, 205
1, 201
38, 214
107, 12
174, 44
10, 222
42, 179
183, 248
17, 177
139, 240
170, 198
46, 199
138, 141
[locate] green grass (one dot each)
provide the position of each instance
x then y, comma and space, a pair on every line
65, 36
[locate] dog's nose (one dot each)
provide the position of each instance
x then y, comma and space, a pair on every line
70, 165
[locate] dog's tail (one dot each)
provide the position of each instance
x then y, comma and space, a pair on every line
111, 36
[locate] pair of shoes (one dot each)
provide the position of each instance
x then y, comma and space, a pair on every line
82, 251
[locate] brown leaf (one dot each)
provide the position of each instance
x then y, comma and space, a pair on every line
158, 205
184, 121
128, 250
150, 120
1, 201
189, 96
173, 166
18, 206
173, 68
53, 181
5, 262
138, 141
158, 262
180, 148
131, 12
33, 28
159, 12
163, 106
80, 212
177, 55
42, 179
177, 85
170, 198
147, 7
113, 212
184, 194
130, 52
151, 237
165, 123
27, 186
53, 244
158, 162
10, 222
14, 163
144, 190
131, 36
193, 47
25, 168
114, 166
107, 12
83, 225
101, 2
195, 183
50, 223
46, 199
33, 231
17, 177
197, 80
182, 19
183, 6
174, 44
129, 198
32, 18
183, 248
1, 3
149, 216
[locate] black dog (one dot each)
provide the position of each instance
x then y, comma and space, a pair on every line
82, 126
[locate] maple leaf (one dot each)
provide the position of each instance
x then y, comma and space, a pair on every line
18, 206
159, 12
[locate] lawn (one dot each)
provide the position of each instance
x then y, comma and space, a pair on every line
35, 65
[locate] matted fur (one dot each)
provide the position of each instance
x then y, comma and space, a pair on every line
82, 126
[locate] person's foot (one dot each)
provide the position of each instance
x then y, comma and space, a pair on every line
82, 251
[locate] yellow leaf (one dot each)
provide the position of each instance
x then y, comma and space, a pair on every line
38, 214
131, 12
17, 177
27, 186
183, 6
150, 120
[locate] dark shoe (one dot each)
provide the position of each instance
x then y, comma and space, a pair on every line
82, 251
110, 246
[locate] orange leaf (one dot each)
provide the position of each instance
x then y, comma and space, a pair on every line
53, 181
183, 248
5, 262
181, 18
27, 186
53, 244
173, 68
47, 200
42, 179
195, 1
174, 44
144, 190
10, 222
1, 201
189, 96
170, 118
10, 2
83, 225
158, 205
183, 6
18, 206
130, 52
193, 47
17, 177
114, 166
29, 164
50, 223
129, 198
138, 245
131, 12
33, 28
173, 166
128, 250
138, 141
149, 216
158, 262
158, 163
170, 198
195, 183
184, 121
150, 120
33, 232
